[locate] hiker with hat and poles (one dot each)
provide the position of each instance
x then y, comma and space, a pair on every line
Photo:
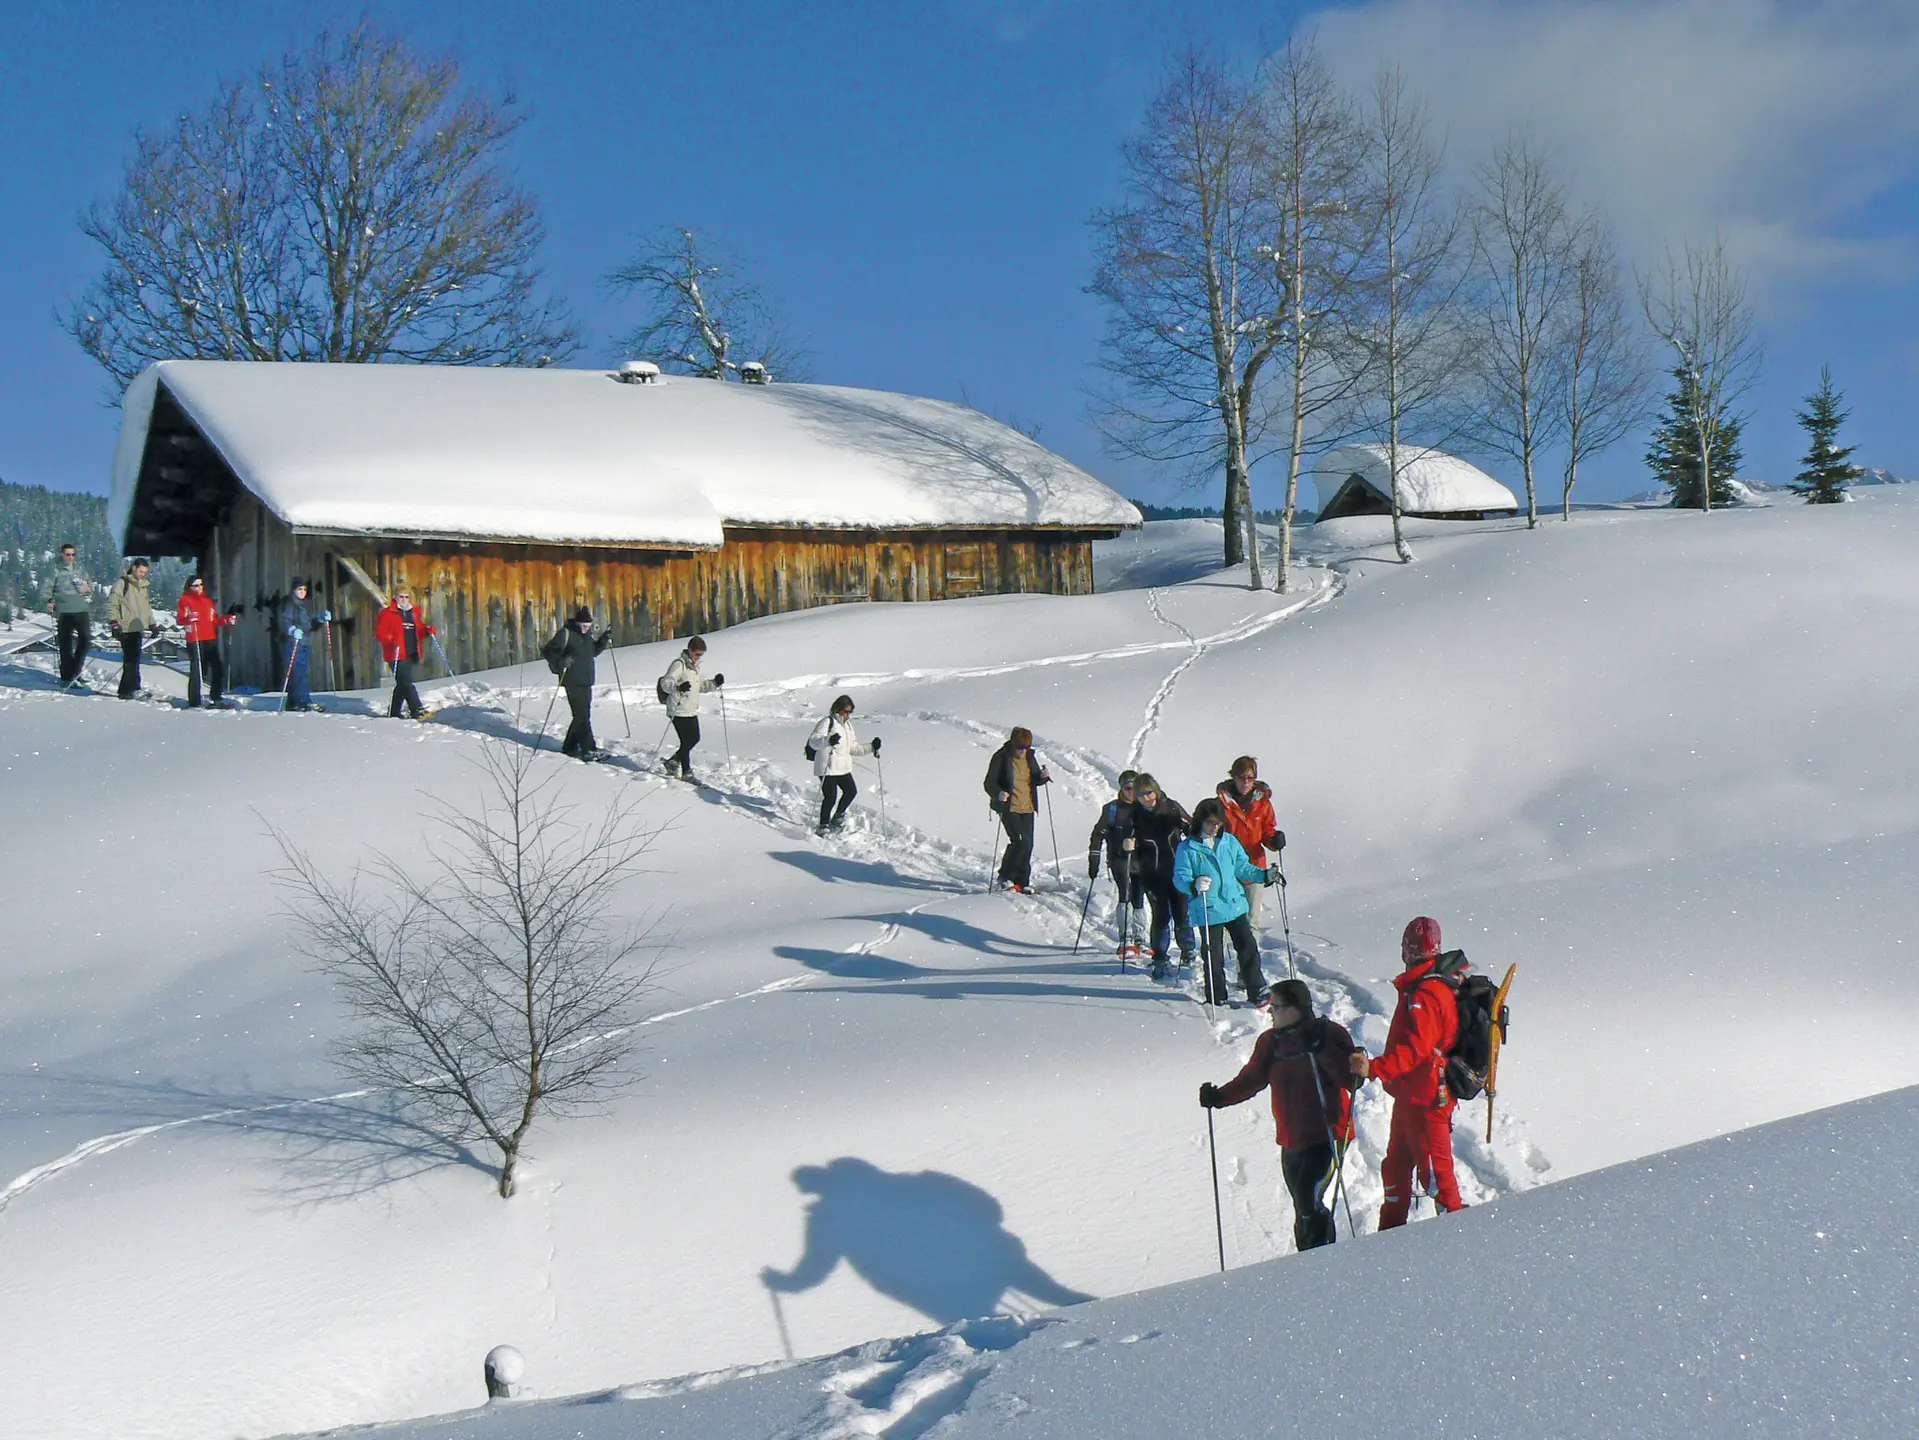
1113, 833
570, 655
1412, 1068
292, 619
1306, 1061
1211, 867
1012, 783
679, 690
831, 748
201, 619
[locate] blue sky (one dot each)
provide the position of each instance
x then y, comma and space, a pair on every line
912, 182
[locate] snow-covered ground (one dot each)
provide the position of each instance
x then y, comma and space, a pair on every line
1663, 761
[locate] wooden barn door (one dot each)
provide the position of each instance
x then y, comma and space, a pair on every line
964, 572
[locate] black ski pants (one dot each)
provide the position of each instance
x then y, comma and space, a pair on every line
130, 663
579, 735
1169, 911
1308, 1172
75, 633
1245, 951
407, 694
832, 787
1016, 865
687, 727
204, 664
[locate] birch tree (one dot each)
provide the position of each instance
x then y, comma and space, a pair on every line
1522, 244
350, 203
1185, 267
484, 985
1413, 336
701, 313
1698, 309
1315, 156
1603, 394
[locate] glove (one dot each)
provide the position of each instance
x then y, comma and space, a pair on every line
296, 632
1209, 1097
834, 738
719, 680
684, 686
231, 620
1202, 885
1278, 842
1045, 777
1275, 876
1004, 797
431, 631
876, 744
326, 617
1092, 866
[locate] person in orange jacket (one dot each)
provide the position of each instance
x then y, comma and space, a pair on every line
1250, 820
402, 632
201, 619
1412, 1068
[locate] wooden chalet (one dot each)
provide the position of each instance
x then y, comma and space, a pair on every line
1357, 480
505, 498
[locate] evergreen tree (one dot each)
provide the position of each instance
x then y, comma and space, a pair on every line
1828, 469
1673, 455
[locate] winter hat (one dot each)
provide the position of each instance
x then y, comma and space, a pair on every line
298, 584
582, 616
842, 702
1291, 993
1420, 942
1020, 736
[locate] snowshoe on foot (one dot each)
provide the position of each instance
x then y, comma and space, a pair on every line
1157, 970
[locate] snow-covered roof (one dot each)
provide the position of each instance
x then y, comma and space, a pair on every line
1431, 482
576, 456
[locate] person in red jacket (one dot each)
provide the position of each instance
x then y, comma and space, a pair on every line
402, 632
1250, 820
201, 619
1412, 1068
1306, 1061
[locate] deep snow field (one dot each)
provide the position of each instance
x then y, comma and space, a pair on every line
1664, 761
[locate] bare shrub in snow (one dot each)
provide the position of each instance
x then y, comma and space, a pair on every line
348, 204
1604, 392
701, 315
485, 986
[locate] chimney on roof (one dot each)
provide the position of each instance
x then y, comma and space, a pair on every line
637, 372
754, 373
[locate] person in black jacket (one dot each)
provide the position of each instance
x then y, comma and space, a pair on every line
1013, 778
1113, 833
1159, 824
571, 654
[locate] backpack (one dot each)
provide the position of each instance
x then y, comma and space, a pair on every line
1472, 1049
554, 653
660, 689
811, 753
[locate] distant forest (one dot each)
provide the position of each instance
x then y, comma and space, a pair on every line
1206, 512
35, 522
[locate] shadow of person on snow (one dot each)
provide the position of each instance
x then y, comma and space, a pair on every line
928, 1240
836, 868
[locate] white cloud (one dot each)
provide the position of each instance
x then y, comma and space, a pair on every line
1774, 122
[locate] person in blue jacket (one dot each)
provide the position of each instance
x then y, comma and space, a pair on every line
293, 618
1211, 868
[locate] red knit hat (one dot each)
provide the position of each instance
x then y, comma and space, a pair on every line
1420, 942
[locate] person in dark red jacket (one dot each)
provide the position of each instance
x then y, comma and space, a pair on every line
201, 619
1412, 1068
402, 632
1306, 1061
1250, 820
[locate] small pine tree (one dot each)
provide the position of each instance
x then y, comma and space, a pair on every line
1673, 455
1828, 470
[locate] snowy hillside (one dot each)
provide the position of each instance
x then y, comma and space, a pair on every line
1663, 761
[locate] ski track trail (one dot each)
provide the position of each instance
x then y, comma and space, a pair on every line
764, 793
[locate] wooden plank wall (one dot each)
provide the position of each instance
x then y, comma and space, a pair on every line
495, 605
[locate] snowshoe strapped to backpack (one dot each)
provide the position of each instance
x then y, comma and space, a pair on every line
1472, 1050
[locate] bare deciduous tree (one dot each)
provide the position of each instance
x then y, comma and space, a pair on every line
351, 204
1603, 393
1315, 166
702, 315
1697, 307
484, 984
1523, 252
1414, 336
1185, 265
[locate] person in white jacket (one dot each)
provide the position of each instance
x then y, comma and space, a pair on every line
680, 688
832, 745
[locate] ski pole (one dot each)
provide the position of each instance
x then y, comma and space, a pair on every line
329, 654
547, 718
726, 730
1058, 877
1219, 1224
876, 760
625, 714
287, 682
992, 847
1206, 973
1084, 904
1286, 924
1339, 1150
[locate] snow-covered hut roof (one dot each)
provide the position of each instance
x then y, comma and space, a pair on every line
1431, 482
577, 457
